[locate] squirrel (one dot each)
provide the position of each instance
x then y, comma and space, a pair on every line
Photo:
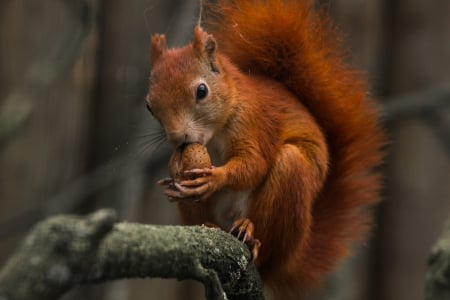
295, 139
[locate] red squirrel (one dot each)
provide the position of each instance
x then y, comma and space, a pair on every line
294, 137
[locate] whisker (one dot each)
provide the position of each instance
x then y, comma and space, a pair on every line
155, 140
151, 135
149, 142
141, 151
160, 143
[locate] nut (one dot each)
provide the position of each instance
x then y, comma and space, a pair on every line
188, 157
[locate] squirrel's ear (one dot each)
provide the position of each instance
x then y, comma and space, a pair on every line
158, 47
204, 44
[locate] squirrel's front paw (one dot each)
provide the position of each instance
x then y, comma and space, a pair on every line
206, 181
171, 190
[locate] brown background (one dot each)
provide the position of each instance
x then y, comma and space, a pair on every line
75, 135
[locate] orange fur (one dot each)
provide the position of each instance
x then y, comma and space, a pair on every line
294, 127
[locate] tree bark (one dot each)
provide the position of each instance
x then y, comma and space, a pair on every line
64, 251
437, 282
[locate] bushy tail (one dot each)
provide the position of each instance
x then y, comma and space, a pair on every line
290, 42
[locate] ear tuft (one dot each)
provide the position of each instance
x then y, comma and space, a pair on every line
158, 47
204, 44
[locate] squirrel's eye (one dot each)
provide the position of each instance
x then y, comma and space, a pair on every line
149, 108
202, 91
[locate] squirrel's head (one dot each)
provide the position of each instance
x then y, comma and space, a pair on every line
188, 92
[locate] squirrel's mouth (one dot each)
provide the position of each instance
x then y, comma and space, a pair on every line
188, 139
200, 137
200, 140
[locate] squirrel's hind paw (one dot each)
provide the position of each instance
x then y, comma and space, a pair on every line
243, 229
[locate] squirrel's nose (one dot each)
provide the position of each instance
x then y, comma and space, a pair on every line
177, 137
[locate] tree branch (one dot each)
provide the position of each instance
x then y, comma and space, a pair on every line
65, 251
437, 283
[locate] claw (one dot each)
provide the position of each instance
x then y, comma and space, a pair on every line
243, 227
243, 230
165, 181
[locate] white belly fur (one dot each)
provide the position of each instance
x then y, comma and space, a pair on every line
228, 205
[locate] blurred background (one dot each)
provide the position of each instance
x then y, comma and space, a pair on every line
75, 135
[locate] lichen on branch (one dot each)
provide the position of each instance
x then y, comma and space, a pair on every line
64, 251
